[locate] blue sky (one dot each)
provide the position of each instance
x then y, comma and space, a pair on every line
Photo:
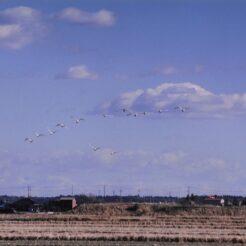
87, 58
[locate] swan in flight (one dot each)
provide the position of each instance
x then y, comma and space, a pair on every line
160, 111
107, 115
51, 132
77, 120
60, 125
138, 113
94, 148
39, 134
29, 140
181, 108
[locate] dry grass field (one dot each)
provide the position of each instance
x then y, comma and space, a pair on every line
126, 224
103, 243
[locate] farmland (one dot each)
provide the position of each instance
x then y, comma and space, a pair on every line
124, 224
103, 243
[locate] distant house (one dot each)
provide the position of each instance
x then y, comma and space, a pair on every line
5, 208
68, 203
213, 200
2, 204
63, 204
25, 205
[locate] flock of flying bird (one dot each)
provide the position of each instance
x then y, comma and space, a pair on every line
78, 120
52, 132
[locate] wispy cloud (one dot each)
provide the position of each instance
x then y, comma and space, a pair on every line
166, 96
167, 70
174, 70
77, 72
188, 164
128, 167
20, 26
77, 16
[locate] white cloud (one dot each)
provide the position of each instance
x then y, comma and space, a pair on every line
20, 26
199, 68
77, 72
201, 102
178, 162
7, 31
105, 156
169, 70
55, 172
188, 164
77, 16
172, 70
172, 157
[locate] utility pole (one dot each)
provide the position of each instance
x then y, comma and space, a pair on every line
188, 191
139, 192
104, 191
72, 190
120, 194
29, 189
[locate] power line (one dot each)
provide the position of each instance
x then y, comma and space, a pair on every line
28, 190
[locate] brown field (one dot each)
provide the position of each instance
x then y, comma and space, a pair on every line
103, 243
127, 224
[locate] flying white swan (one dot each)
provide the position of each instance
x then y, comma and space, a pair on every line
29, 140
39, 134
94, 148
181, 108
162, 110
60, 125
77, 120
51, 132
107, 115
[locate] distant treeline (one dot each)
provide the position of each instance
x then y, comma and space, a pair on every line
198, 199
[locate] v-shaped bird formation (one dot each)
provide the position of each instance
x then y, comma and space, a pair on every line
77, 120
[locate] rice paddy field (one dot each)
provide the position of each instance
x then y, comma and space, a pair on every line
103, 243
106, 226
